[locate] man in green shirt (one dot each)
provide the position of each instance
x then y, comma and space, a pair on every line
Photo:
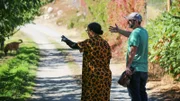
137, 56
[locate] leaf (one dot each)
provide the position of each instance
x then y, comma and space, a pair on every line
16, 13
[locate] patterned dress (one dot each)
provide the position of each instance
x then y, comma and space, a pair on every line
96, 74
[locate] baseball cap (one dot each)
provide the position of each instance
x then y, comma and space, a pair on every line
134, 16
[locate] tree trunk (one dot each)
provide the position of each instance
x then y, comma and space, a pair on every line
2, 44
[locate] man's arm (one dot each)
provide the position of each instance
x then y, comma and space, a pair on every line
123, 32
130, 59
116, 29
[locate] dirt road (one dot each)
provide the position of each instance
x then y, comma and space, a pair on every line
56, 79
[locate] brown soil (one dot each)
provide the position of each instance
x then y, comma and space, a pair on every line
161, 86
163, 91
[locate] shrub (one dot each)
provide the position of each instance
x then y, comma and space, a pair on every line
164, 33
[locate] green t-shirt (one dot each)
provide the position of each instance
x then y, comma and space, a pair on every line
139, 38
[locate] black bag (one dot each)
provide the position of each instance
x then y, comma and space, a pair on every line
124, 79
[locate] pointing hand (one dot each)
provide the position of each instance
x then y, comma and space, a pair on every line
63, 38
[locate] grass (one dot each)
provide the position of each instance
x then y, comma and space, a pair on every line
155, 8
158, 4
17, 71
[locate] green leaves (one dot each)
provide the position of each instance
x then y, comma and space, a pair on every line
164, 41
14, 13
16, 74
98, 10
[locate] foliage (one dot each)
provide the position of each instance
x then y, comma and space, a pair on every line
98, 11
14, 13
164, 43
16, 75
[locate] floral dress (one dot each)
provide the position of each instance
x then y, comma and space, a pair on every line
96, 74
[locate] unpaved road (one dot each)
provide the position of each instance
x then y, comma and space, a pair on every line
56, 80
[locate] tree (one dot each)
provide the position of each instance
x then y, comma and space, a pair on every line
14, 13
164, 41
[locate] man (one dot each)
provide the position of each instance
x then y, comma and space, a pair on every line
137, 56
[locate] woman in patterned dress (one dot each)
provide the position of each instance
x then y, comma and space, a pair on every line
96, 74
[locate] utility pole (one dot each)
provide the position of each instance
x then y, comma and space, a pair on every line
169, 2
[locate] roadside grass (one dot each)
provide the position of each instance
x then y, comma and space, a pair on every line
17, 70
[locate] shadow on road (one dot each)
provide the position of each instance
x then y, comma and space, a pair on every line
172, 94
63, 88
68, 88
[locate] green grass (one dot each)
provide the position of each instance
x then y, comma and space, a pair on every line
17, 71
155, 8
158, 4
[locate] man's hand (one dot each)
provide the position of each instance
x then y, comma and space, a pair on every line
114, 29
128, 71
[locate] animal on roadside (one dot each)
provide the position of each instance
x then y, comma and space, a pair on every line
12, 46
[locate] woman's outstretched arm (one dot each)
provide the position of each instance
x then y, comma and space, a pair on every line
70, 43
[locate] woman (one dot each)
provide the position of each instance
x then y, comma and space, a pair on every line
96, 74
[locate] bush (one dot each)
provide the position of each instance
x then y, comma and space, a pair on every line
16, 75
164, 33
